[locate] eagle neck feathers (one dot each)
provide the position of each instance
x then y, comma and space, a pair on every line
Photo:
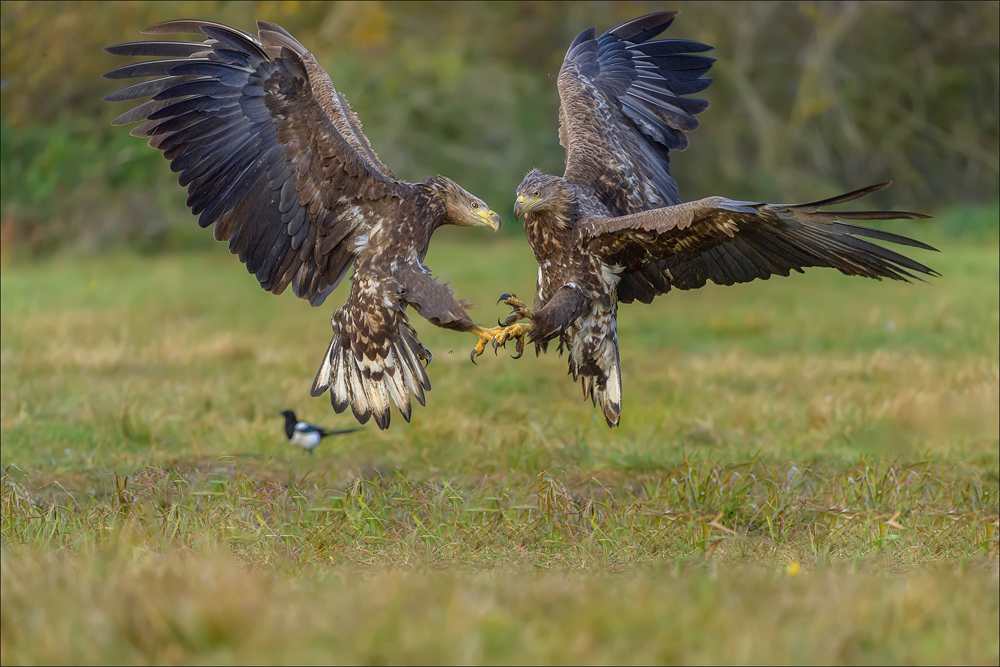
434, 194
555, 225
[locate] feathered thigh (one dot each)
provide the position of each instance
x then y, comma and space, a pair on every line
592, 343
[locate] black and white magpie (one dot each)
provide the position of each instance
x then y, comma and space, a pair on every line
306, 435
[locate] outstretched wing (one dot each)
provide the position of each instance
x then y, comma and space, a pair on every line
729, 242
269, 151
623, 108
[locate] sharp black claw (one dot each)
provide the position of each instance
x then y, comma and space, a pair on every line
504, 296
472, 357
520, 353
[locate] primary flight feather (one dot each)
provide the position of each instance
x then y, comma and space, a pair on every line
273, 156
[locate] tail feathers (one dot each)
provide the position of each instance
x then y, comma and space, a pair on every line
592, 343
368, 384
605, 393
601, 380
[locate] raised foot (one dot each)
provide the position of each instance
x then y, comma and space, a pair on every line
498, 336
518, 312
506, 330
486, 336
512, 332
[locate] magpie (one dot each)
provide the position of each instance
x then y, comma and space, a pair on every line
306, 435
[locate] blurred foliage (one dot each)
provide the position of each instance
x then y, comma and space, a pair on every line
809, 99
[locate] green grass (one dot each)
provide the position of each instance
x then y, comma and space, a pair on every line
806, 471
214, 610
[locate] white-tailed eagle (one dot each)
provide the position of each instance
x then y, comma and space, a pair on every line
613, 229
273, 156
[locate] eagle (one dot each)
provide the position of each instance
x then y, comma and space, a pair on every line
613, 229
275, 158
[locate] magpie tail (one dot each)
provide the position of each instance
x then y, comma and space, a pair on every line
324, 433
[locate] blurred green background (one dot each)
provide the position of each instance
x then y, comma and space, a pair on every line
809, 99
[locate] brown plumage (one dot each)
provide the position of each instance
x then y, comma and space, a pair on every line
613, 228
273, 156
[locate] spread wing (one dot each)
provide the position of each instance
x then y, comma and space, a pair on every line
623, 108
269, 151
729, 242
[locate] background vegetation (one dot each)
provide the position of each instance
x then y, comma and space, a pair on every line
808, 99
806, 471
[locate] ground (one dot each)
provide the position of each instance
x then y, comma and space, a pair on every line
806, 471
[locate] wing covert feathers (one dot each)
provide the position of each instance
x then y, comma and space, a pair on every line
624, 105
730, 242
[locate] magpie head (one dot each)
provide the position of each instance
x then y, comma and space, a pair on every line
290, 422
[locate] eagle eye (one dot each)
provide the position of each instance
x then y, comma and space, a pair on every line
536, 193
475, 204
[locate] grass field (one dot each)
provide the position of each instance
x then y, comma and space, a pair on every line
806, 471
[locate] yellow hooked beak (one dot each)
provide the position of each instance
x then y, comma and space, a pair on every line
489, 218
522, 206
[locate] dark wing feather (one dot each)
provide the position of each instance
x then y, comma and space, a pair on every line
335, 104
622, 110
269, 151
729, 242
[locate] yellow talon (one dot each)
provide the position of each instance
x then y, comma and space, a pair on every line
512, 332
486, 336
498, 337
509, 329
519, 310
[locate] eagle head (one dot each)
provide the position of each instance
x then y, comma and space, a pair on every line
544, 193
462, 208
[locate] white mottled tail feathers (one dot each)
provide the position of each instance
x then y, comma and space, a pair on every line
366, 384
606, 392
594, 361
